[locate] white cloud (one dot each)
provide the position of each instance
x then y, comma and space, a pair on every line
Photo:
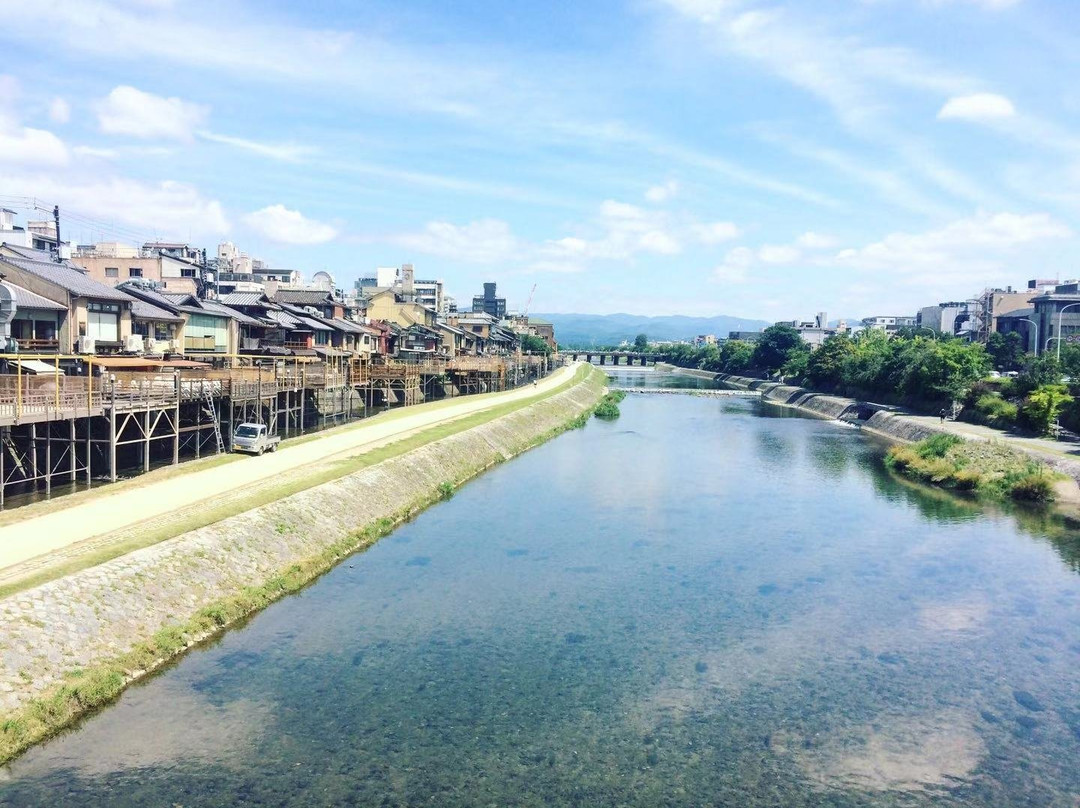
862, 82
95, 151
278, 223
657, 241
736, 266
22, 146
128, 111
978, 248
977, 107
815, 241
992, 5
286, 152
778, 254
484, 241
715, 232
165, 209
59, 111
662, 193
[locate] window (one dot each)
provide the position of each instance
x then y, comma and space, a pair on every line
206, 333
187, 272
134, 272
112, 272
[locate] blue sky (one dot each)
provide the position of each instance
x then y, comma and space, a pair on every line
749, 157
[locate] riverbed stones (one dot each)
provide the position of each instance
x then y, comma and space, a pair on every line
96, 614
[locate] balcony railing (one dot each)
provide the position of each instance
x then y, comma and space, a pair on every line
39, 345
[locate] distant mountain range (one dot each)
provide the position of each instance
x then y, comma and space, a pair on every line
590, 330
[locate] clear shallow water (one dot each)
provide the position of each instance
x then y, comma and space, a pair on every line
705, 602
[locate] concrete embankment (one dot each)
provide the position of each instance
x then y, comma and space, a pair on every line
899, 426
870, 417
69, 645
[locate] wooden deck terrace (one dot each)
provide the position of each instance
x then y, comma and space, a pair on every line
27, 397
482, 364
395, 370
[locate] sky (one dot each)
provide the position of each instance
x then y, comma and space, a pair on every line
758, 158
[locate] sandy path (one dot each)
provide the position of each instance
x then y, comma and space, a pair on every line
38, 535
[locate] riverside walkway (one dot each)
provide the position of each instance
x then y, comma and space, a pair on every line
106, 510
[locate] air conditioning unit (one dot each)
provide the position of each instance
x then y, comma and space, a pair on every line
87, 345
133, 343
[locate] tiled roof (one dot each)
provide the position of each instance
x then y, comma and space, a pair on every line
284, 319
346, 325
213, 307
313, 324
303, 297
141, 310
242, 299
66, 274
161, 301
25, 299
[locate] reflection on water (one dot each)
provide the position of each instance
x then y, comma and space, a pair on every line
691, 605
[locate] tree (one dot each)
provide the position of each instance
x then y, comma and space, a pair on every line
929, 370
1044, 405
641, 342
776, 345
530, 343
735, 356
825, 366
1006, 350
1038, 372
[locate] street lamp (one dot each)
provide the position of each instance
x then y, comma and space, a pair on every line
1061, 311
1048, 341
1026, 320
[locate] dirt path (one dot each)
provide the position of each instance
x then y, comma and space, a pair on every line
114, 510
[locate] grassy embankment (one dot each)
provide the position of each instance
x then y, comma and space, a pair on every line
203, 514
987, 469
90, 688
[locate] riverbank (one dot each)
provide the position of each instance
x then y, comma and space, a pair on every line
71, 645
907, 428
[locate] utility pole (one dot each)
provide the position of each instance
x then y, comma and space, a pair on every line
56, 221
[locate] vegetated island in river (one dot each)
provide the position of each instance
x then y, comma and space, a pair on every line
985, 468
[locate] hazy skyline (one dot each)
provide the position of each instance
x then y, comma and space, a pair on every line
759, 159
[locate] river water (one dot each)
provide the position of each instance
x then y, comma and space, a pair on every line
708, 601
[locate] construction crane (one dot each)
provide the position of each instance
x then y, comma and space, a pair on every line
525, 311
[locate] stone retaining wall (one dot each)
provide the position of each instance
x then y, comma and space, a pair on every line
95, 615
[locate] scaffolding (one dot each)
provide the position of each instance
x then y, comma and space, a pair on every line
74, 419
394, 384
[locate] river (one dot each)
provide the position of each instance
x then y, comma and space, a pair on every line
709, 601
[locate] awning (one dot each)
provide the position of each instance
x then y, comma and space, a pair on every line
35, 366
329, 352
131, 362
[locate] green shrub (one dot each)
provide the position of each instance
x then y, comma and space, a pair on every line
936, 446
608, 408
446, 490
1032, 488
996, 411
1043, 406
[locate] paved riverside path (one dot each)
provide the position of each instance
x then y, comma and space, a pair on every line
108, 512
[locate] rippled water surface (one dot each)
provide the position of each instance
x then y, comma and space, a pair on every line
706, 602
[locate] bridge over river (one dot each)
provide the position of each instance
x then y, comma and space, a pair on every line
599, 357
